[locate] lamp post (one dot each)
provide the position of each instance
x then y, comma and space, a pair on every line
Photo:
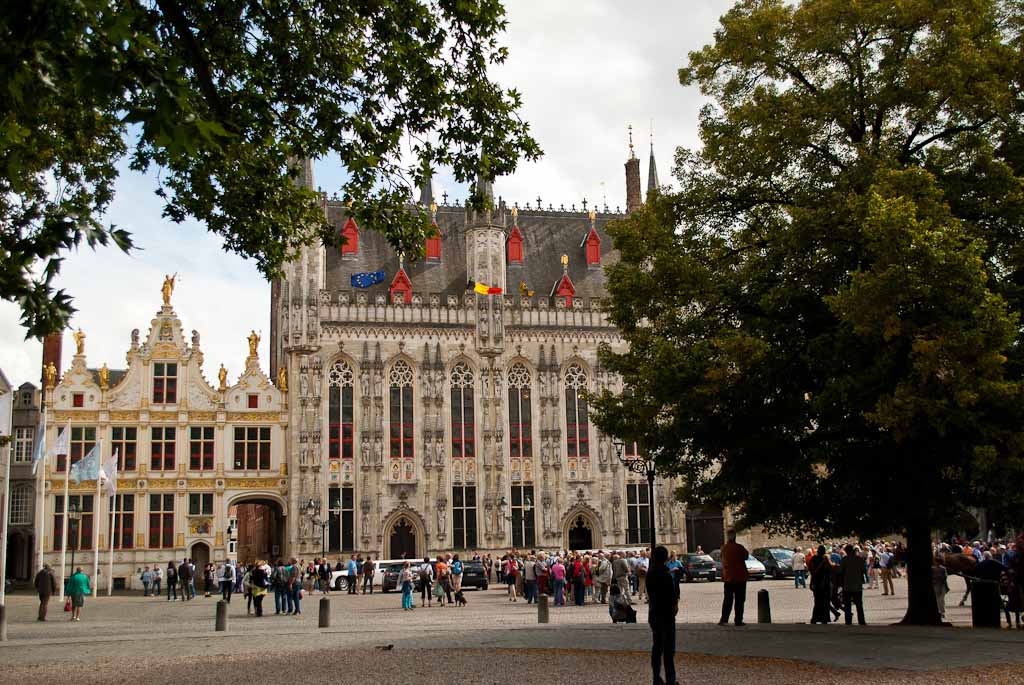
645, 467
313, 514
74, 515
510, 517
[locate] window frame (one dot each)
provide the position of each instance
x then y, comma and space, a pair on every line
465, 532
120, 444
165, 460
24, 444
165, 383
163, 517
256, 443
206, 441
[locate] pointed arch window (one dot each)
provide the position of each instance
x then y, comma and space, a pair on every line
577, 431
463, 439
350, 238
520, 440
340, 384
400, 408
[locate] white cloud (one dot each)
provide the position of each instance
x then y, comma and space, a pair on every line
586, 69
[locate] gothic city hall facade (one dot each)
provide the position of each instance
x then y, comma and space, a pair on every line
407, 416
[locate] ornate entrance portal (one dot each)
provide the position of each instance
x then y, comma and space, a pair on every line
581, 536
403, 540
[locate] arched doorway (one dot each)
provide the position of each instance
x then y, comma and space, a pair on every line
19, 555
200, 556
256, 529
402, 543
581, 534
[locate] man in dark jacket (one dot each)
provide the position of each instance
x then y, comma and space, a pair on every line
45, 585
663, 600
851, 573
185, 578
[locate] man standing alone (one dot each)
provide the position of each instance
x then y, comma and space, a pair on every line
227, 580
663, 598
45, 585
852, 570
734, 575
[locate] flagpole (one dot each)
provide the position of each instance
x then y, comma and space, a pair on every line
40, 471
5, 507
110, 557
97, 522
64, 517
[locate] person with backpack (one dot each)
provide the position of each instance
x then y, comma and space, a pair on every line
185, 578
369, 568
279, 580
294, 594
258, 583
227, 581
426, 574
456, 574
443, 589
324, 572
172, 581
511, 573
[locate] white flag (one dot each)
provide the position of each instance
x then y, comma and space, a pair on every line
40, 452
62, 446
109, 472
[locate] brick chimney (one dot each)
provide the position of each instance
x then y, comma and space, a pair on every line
52, 346
633, 198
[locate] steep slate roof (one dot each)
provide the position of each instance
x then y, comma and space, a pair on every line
547, 235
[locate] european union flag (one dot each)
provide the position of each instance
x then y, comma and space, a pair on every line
366, 279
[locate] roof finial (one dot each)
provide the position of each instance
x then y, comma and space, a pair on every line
515, 215
652, 169
565, 263
631, 155
593, 217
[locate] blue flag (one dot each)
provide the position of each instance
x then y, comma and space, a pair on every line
366, 279
88, 467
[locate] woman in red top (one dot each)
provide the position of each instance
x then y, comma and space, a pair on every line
588, 576
578, 581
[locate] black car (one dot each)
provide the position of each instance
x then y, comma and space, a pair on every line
698, 566
474, 575
391, 573
778, 561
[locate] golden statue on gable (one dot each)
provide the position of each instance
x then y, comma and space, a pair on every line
79, 337
167, 289
254, 342
282, 379
104, 377
222, 376
50, 374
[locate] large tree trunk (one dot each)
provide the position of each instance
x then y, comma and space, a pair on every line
921, 607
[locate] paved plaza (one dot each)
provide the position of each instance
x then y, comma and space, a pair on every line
128, 638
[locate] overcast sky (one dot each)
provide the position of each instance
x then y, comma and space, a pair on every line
586, 70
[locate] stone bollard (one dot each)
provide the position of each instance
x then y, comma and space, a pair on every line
325, 612
764, 607
542, 609
3, 623
222, 616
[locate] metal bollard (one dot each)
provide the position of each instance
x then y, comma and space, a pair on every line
325, 612
3, 623
542, 609
764, 607
222, 616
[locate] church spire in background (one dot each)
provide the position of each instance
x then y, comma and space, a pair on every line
427, 187
652, 169
633, 200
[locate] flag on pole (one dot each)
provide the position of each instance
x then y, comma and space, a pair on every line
482, 289
40, 450
366, 279
109, 472
88, 467
62, 446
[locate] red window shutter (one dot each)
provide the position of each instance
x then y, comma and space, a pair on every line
515, 247
593, 248
350, 234
401, 287
434, 246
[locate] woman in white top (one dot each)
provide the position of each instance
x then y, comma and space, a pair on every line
799, 569
406, 581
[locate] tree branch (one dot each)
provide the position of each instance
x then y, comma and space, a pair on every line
200, 63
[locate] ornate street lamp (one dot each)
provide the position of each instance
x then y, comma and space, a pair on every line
643, 465
74, 515
313, 514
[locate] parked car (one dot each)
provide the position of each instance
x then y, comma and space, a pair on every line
698, 566
755, 569
474, 575
778, 561
391, 575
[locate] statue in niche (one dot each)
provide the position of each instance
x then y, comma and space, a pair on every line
442, 517
377, 382
364, 523
364, 382
603, 452
546, 513
616, 510
364, 449
545, 453
378, 451
662, 506
488, 517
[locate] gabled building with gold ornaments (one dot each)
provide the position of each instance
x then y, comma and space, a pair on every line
189, 452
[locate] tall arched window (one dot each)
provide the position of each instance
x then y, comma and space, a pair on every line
21, 506
339, 417
577, 432
520, 440
461, 380
400, 381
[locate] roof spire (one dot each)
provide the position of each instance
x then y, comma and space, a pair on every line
426, 186
652, 169
632, 155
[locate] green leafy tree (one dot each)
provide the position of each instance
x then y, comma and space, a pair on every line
823, 321
223, 97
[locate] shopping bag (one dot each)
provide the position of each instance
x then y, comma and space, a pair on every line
67, 604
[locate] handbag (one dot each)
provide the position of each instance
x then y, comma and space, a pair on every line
67, 605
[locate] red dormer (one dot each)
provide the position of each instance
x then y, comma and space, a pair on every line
592, 248
401, 287
434, 245
350, 237
515, 246
564, 288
